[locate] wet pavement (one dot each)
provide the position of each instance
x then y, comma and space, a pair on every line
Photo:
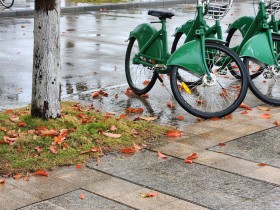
226, 174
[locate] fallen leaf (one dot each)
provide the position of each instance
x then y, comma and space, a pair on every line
199, 119
79, 166
215, 118
41, 173
148, 118
188, 161
261, 164
200, 102
14, 118
54, 149
160, 155
145, 95
82, 196
128, 150
263, 108
129, 92
245, 106
174, 133
2, 181
180, 117
136, 146
170, 105
192, 156
4, 129
17, 176
244, 112
116, 96
149, 195
146, 82
22, 124
222, 144
113, 128
39, 149
26, 178
228, 117
111, 135
95, 95
266, 116
276, 123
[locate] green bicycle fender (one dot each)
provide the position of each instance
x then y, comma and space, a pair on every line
258, 48
142, 34
186, 27
242, 24
189, 57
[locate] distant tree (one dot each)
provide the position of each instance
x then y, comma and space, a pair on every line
46, 82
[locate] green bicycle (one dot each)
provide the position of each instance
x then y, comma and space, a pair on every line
260, 49
207, 61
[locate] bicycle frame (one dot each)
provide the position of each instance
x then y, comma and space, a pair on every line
257, 42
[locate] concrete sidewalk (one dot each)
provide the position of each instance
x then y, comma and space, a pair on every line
27, 8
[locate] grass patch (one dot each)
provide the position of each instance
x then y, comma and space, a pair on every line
28, 144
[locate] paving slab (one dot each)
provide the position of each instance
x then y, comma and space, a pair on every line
260, 147
196, 183
72, 201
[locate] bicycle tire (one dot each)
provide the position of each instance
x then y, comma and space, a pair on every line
7, 3
262, 85
205, 104
142, 83
231, 33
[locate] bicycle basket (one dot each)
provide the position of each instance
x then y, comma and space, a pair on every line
273, 7
216, 9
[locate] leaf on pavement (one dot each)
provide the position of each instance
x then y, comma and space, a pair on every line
148, 118
276, 122
266, 116
171, 105
148, 195
222, 144
111, 135
17, 176
160, 155
263, 108
261, 164
137, 147
174, 133
244, 112
79, 166
41, 173
82, 196
245, 106
2, 181
128, 151
180, 117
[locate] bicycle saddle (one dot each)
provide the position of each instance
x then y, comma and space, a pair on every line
161, 14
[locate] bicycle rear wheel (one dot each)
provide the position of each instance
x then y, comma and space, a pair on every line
218, 97
267, 85
7, 3
140, 79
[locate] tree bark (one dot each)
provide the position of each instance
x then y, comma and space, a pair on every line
46, 82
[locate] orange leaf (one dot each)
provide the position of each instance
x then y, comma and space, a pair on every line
136, 146
39, 149
188, 161
22, 124
146, 82
266, 116
82, 196
41, 173
245, 106
149, 195
79, 166
244, 112
215, 118
2, 181
116, 96
276, 123
262, 108
199, 119
17, 176
129, 92
26, 178
145, 95
95, 95
4, 129
180, 117
14, 118
54, 149
222, 144
192, 156
261, 164
174, 133
160, 155
170, 105
227, 117
111, 135
128, 151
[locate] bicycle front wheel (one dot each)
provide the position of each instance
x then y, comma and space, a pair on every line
7, 3
219, 96
140, 79
267, 85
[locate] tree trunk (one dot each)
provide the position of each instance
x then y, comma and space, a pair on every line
46, 84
